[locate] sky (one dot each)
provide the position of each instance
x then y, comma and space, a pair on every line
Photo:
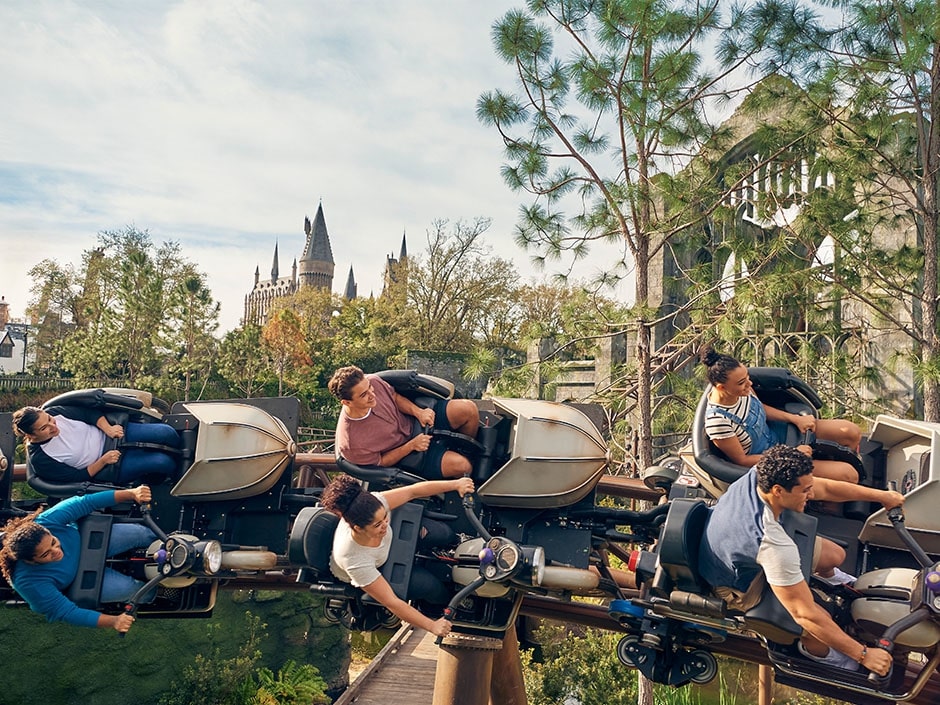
221, 124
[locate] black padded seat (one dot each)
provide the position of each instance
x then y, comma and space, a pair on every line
94, 532
681, 535
311, 539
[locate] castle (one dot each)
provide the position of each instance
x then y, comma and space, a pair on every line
315, 269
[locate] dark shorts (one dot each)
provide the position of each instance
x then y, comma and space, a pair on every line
434, 455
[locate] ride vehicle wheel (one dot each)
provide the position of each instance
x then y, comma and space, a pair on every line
333, 611
630, 652
705, 661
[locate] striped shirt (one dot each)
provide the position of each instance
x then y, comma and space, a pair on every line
718, 426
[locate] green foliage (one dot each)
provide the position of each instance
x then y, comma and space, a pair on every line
216, 680
584, 667
293, 685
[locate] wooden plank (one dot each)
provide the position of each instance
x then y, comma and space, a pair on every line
402, 673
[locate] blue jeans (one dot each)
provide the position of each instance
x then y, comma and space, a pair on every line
139, 462
115, 586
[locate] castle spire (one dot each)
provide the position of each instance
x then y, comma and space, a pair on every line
274, 266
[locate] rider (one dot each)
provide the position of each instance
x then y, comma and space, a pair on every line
742, 427
66, 444
744, 548
40, 557
363, 539
375, 425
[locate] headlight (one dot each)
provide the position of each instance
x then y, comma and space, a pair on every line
211, 554
535, 562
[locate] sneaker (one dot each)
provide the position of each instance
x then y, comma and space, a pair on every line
833, 658
839, 577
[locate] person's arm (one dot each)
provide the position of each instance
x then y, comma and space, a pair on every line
409, 408
734, 451
381, 591
419, 443
804, 422
109, 429
419, 490
798, 601
827, 490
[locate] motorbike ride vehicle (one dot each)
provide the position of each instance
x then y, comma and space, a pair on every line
894, 604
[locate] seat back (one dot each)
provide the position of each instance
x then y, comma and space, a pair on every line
94, 532
679, 543
311, 539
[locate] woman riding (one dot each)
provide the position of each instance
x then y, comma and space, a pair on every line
362, 541
742, 427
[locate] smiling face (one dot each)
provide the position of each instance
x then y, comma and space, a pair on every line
44, 429
361, 399
49, 550
737, 384
372, 533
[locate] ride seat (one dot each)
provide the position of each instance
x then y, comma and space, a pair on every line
679, 542
94, 532
311, 539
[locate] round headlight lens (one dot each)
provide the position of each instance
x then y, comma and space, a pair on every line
212, 557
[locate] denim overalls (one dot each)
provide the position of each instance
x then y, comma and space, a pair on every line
756, 426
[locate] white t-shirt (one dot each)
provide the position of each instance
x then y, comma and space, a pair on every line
78, 444
356, 564
778, 555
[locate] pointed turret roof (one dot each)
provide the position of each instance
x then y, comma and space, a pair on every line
351, 287
274, 265
318, 240
404, 248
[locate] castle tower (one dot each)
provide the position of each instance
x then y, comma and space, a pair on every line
350, 293
316, 264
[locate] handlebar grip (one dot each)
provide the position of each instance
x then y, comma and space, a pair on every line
129, 608
885, 645
448, 613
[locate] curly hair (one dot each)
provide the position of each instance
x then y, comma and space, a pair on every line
345, 496
718, 365
782, 465
24, 420
343, 380
20, 538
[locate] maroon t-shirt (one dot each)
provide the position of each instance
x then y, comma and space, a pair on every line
363, 441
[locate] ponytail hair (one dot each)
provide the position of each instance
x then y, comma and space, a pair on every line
345, 496
718, 365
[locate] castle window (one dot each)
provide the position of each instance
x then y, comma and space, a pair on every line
6, 347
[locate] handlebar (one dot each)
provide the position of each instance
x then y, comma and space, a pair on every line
456, 600
896, 516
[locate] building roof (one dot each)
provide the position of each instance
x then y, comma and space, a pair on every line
318, 239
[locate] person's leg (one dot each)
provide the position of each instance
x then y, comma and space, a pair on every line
115, 586
435, 534
425, 586
152, 433
827, 557
137, 464
125, 536
454, 464
463, 416
845, 433
835, 470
